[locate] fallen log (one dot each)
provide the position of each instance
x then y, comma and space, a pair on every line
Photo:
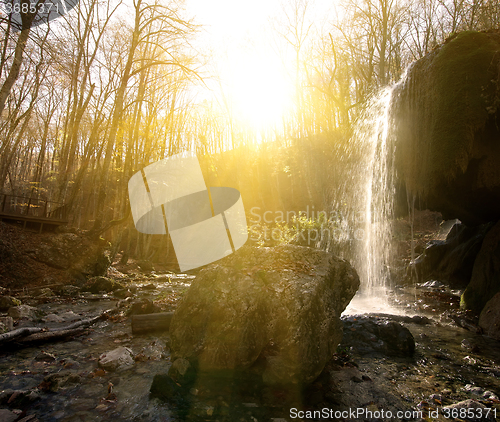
151, 322
19, 332
46, 336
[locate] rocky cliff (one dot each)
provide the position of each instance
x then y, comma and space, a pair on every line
446, 115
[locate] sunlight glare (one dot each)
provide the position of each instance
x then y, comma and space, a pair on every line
260, 91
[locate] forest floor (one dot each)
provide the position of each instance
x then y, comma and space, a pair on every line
63, 381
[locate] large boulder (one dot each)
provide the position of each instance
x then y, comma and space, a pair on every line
452, 260
372, 334
485, 281
445, 115
489, 320
275, 308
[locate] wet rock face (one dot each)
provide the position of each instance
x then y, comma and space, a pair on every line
452, 260
445, 126
489, 320
275, 310
366, 334
485, 281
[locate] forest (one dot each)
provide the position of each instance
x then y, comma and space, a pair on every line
92, 97
249, 211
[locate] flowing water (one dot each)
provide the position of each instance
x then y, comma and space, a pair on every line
369, 194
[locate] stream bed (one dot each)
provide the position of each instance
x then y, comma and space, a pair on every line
62, 381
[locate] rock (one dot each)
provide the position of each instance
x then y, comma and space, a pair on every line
116, 360
122, 293
79, 254
146, 266
445, 115
279, 305
490, 395
478, 411
7, 322
468, 345
52, 318
7, 416
7, 302
45, 356
23, 312
182, 371
142, 307
69, 290
18, 398
59, 380
474, 390
101, 284
164, 387
44, 292
452, 259
433, 284
489, 319
368, 334
485, 281
69, 316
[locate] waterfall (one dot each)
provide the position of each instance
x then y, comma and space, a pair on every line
369, 192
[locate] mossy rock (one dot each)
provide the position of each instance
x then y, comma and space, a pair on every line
446, 114
102, 284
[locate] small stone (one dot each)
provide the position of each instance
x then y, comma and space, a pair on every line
117, 359
44, 292
7, 302
45, 356
23, 312
468, 345
195, 391
8, 322
122, 293
490, 395
70, 316
55, 382
52, 318
69, 290
474, 390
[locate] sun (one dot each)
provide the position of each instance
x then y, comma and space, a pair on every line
260, 91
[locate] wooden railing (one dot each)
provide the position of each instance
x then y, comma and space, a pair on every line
32, 207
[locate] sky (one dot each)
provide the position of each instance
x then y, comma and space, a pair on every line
255, 73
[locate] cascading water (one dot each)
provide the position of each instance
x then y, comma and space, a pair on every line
368, 193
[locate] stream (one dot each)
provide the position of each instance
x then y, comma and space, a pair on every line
450, 364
